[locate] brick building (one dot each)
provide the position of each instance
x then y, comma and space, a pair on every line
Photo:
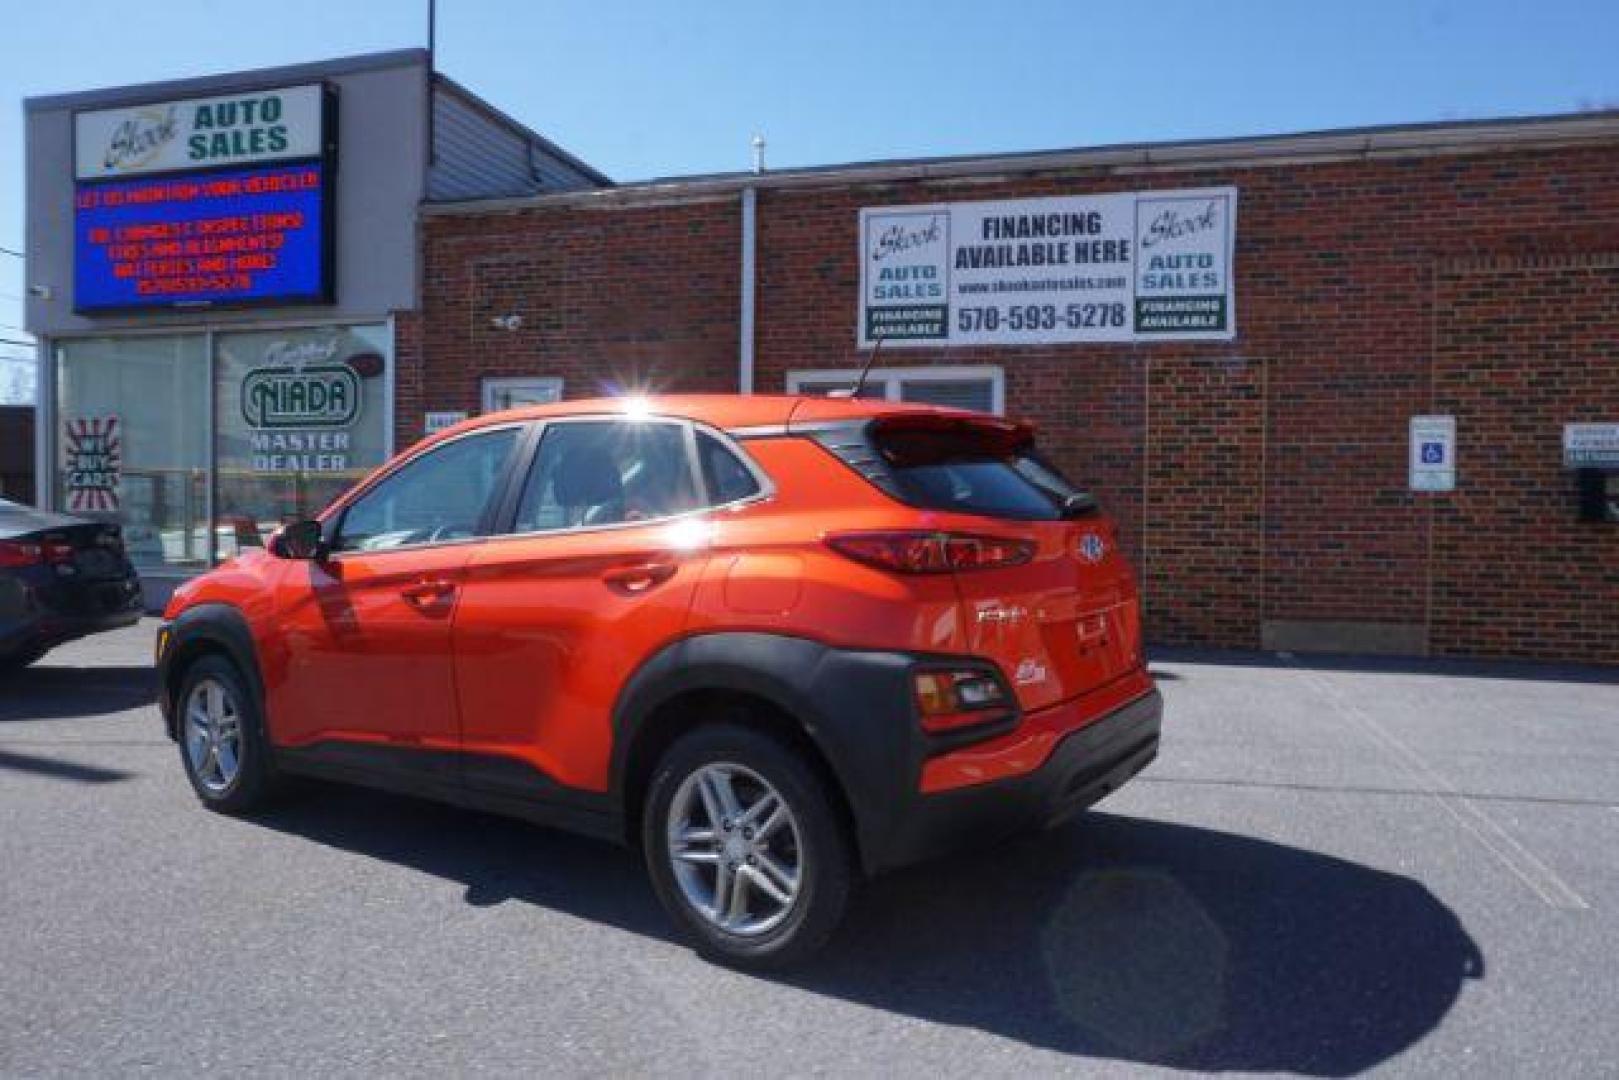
1255, 398
1262, 481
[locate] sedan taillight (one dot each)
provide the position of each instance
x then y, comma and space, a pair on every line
17, 553
911, 552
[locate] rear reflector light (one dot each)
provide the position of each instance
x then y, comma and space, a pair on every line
930, 552
14, 554
952, 700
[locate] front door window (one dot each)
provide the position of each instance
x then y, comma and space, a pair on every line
439, 497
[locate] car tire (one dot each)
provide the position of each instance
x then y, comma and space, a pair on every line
807, 855
220, 731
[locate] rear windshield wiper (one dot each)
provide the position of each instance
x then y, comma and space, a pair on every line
1079, 504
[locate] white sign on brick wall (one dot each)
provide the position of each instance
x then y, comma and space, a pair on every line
1116, 267
1433, 453
1591, 446
443, 420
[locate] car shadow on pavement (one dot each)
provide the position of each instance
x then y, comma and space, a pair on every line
45, 692
1163, 944
55, 769
1113, 938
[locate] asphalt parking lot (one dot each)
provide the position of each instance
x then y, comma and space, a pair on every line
1332, 868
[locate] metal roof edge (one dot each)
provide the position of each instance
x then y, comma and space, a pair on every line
504, 118
1471, 136
201, 85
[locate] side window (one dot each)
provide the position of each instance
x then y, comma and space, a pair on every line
438, 497
726, 477
606, 472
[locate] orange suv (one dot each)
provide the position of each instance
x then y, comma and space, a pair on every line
779, 642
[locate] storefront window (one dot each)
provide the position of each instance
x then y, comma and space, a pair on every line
302, 415
132, 442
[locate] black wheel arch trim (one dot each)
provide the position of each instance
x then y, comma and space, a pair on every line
210, 627
853, 705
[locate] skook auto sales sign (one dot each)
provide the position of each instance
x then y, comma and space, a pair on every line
199, 133
1130, 266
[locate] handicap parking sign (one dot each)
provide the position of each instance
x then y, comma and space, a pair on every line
1433, 453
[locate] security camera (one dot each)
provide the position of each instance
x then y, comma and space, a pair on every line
507, 322
43, 292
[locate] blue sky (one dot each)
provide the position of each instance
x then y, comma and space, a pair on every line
642, 89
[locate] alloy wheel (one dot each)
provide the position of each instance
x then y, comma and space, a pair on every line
213, 735
735, 849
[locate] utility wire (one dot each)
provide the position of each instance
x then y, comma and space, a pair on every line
8, 251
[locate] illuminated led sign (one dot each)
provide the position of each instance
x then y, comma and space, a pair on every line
259, 235
222, 200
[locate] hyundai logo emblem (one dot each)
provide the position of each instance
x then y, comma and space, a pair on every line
1092, 547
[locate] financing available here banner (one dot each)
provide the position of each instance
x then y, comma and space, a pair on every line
1126, 266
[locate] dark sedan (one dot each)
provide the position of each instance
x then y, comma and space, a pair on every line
60, 578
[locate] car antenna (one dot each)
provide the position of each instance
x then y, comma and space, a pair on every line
860, 383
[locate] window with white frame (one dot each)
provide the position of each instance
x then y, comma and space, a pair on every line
516, 391
978, 387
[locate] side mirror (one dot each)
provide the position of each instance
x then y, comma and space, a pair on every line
300, 540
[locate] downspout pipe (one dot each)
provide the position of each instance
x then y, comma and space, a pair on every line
750, 228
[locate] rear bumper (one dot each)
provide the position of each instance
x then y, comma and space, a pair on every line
33, 618
40, 630
1086, 765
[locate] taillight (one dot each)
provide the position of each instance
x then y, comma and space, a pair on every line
950, 700
908, 552
14, 553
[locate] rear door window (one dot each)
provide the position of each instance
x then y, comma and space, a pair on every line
589, 474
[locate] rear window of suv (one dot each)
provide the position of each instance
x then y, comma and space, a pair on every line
969, 469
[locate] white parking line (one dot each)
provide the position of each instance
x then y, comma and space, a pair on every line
1541, 879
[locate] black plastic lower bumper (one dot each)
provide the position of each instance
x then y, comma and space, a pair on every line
1085, 766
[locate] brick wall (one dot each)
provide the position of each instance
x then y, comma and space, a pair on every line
608, 298
1524, 346
1259, 483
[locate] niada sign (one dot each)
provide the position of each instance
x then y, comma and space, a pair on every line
200, 133
1130, 266
325, 396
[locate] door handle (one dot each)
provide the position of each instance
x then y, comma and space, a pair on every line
640, 577
427, 592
